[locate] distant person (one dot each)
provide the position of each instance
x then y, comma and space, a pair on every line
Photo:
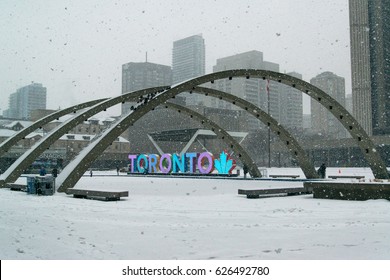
54, 172
117, 170
245, 169
90, 172
42, 171
322, 171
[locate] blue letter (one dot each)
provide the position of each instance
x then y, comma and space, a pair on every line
142, 167
191, 157
176, 163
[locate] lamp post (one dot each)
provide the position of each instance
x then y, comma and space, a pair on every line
269, 129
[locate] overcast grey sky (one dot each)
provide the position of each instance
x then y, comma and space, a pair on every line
76, 48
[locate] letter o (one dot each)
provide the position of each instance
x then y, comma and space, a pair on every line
145, 167
169, 161
210, 159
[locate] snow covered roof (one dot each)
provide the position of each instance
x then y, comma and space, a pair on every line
34, 134
109, 119
100, 121
122, 140
22, 123
77, 137
88, 137
4, 122
6, 132
9, 132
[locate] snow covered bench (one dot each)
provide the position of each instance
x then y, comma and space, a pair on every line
16, 187
284, 176
346, 177
99, 195
288, 191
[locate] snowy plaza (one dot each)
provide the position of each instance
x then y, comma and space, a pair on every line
168, 218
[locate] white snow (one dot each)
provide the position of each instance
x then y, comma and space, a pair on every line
187, 218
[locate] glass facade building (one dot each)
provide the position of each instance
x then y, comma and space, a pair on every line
370, 62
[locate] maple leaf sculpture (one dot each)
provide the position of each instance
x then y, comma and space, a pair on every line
223, 165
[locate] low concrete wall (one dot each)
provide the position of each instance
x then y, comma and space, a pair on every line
349, 191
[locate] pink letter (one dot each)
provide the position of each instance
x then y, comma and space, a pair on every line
169, 161
201, 163
132, 158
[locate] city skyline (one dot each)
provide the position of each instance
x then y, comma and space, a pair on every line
77, 49
25, 100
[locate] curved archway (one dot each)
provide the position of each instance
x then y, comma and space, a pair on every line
290, 142
364, 142
372, 156
10, 142
71, 173
16, 169
81, 163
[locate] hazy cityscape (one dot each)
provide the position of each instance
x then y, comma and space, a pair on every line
325, 138
195, 130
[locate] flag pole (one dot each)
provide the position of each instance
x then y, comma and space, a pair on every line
269, 129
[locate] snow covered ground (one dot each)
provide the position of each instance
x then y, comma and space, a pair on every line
188, 218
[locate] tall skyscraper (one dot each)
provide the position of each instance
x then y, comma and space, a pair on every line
252, 90
370, 62
25, 100
248, 89
141, 75
188, 61
322, 121
348, 103
291, 106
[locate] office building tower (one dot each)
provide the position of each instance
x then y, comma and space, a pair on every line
25, 100
291, 106
370, 63
348, 103
188, 61
323, 123
141, 75
256, 91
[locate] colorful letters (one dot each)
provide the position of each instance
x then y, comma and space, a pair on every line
203, 163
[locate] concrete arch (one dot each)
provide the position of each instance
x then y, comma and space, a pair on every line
16, 169
291, 143
376, 163
366, 145
10, 142
73, 173
372, 156
222, 134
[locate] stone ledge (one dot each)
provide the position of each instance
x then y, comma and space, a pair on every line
349, 191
